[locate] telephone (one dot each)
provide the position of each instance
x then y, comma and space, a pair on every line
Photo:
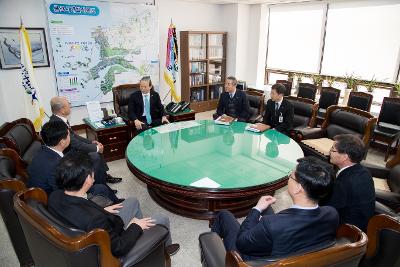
176, 107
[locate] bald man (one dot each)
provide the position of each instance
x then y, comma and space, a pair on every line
61, 109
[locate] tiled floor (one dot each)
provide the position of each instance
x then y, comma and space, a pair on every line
184, 231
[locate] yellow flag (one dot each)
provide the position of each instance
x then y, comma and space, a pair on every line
171, 62
33, 107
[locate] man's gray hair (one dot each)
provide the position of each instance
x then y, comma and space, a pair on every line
233, 79
56, 104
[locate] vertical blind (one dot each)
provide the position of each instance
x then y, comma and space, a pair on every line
295, 37
363, 38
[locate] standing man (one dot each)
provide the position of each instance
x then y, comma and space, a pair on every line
145, 108
61, 110
42, 170
279, 112
233, 102
303, 227
353, 193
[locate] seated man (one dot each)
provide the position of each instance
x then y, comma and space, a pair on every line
303, 227
279, 112
42, 170
60, 108
233, 102
353, 193
123, 222
145, 107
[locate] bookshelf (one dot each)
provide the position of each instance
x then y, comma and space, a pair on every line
203, 68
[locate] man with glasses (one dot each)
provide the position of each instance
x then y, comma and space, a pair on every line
305, 226
353, 193
233, 102
145, 108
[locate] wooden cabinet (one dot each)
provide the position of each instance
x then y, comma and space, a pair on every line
114, 139
203, 68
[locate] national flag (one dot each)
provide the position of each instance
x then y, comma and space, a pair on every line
33, 107
171, 62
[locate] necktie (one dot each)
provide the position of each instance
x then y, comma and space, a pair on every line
231, 95
147, 109
276, 107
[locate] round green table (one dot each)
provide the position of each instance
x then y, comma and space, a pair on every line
197, 168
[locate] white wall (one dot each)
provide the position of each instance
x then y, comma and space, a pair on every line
185, 15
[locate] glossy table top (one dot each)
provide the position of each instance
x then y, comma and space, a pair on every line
228, 155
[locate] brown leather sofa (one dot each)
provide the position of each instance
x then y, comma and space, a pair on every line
350, 246
305, 112
53, 243
20, 135
383, 242
121, 95
339, 120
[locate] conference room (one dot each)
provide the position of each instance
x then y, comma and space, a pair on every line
151, 91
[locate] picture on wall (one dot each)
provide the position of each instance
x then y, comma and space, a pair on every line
10, 54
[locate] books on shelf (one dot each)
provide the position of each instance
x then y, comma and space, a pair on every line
198, 95
197, 79
215, 52
197, 67
224, 120
214, 78
215, 39
216, 91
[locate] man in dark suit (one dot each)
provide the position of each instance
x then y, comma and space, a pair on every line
123, 222
145, 108
303, 227
353, 193
60, 108
233, 102
279, 112
42, 170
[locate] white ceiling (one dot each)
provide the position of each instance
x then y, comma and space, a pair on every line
250, 1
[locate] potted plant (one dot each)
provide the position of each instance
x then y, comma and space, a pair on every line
351, 82
396, 88
317, 80
330, 80
371, 84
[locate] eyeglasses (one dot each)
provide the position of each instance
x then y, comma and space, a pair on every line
292, 176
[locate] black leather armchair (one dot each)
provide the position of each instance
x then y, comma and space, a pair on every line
121, 95
305, 112
383, 242
360, 100
387, 185
20, 135
329, 97
307, 90
256, 104
350, 246
388, 127
339, 120
8, 187
53, 243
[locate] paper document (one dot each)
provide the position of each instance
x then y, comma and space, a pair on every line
224, 120
251, 129
94, 110
171, 127
206, 182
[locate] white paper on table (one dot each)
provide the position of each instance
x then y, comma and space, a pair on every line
205, 182
94, 110
251, 129
171, 127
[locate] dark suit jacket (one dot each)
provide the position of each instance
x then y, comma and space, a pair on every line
289, 231
78, 142
42, 170
136, 105
272, 119
353, 196
86, 215
241, 105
